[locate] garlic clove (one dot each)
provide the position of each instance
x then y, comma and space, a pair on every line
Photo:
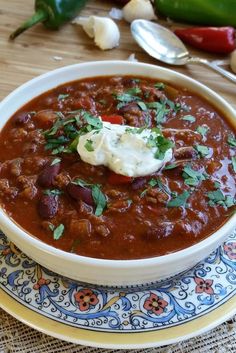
233, 61
104, 30
136, 9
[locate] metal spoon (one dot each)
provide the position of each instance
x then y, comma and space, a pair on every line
164, 45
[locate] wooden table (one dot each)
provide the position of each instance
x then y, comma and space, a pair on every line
34, 52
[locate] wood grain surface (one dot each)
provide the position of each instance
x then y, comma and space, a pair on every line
34, 52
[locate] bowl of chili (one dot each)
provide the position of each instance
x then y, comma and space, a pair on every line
93, 219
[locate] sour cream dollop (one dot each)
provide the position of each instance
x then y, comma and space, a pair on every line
124, 149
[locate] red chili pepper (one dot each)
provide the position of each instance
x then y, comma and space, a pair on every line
116, 179
212, 39
113, 119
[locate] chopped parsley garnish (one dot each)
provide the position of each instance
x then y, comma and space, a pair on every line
69, 128
58, 231
189, 118
54, 192
192, 177
232, 141
56, 161
159, 85
62, 97
89, 145
202, 130
233, 159
179, 200
203, 151
99, 198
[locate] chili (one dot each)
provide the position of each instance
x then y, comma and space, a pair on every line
78, 207
207, 12
212, 39
52, 13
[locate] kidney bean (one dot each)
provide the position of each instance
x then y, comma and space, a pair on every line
45, 118
80, 193
138, 183
21, 118
184, 153
47, 176
161, 231
132, 108
48, 206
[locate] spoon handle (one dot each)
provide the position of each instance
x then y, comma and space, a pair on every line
214, 67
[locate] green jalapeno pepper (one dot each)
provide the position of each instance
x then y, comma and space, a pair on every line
207, 12
52, 13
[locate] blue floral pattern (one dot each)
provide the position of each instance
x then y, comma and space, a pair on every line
145, 308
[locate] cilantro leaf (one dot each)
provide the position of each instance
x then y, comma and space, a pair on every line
189, 118
54, 192
99, 199
56, 161
153, 182
163, 144
202, 130
62, 97
180, 200
217, 198
216, 195
58, 231
159, 85
157, 182
192, 177
170, 166
126, 97
133, 90
233, 159
89, 145
232, 141
229, 201
203, 151
73, 145
142, 106
92, 120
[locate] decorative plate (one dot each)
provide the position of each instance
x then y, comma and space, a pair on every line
131, 317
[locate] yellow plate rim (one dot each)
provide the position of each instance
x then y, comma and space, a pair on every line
117, 340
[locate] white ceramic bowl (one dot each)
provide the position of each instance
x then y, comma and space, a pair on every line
98, 271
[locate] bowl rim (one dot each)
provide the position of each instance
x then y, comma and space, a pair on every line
9, 224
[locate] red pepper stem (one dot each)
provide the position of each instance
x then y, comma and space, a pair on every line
39, 16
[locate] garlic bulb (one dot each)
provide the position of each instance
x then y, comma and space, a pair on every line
233, 61
138, 9
105, 32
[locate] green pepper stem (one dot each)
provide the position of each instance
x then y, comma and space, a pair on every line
39, 16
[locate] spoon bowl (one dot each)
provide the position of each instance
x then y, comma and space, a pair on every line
163, 45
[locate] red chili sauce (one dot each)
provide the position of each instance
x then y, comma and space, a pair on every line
88, 210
